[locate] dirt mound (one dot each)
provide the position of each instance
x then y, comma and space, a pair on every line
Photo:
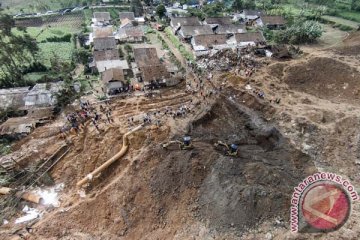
153, 193
351, 45
234, 192
325, 78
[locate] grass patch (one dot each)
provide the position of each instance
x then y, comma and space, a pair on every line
42, 33
61, 49
186, 54
350, 15
338, 22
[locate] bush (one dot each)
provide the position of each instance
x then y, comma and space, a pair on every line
128, 48
65, 38
300, 32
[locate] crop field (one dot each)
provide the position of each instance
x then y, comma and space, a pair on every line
62, 50
42, 33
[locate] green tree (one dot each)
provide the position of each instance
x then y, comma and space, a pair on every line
355, 5
238, 5
300, 32
249, 4
17, 52
214, 10
161, 10
81, 55
136, 7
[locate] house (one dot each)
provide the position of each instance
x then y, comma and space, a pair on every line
249, 38
102, 32
131, 34
203, 44
187, 32
145, 56
104, 43
21, 126
13, 97
177, 22
229, 28
151, 70
215, 21
108, 64
113, 80
101, 18
126, 15
271, 22
42, 95
247, 15
104, 55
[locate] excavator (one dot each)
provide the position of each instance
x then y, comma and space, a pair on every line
232, 149
185, 144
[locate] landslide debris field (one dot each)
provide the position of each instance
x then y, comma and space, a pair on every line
202, 192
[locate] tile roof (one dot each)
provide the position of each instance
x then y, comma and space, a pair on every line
103, 65
230, 28
101, 32
104, 55
154, 72
137, 31
182, 21
218, 20
209, 40
112, 74
146, 56
102, 16
126, 15
105, 43
195, 30
249, 37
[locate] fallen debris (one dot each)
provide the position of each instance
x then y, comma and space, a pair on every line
28, 196
31, 214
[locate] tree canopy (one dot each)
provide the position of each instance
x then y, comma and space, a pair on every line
17, 52
161, 10
300, 32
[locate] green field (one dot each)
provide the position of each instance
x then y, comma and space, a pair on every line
342, 21
33, 6
42, 33
350, 15
62, 50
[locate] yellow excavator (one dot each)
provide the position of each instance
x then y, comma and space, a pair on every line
185, 144
232, 149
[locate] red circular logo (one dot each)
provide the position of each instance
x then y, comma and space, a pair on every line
325, 206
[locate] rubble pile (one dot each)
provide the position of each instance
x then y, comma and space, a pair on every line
226, 59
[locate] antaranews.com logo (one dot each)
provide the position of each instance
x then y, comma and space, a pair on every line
321, 203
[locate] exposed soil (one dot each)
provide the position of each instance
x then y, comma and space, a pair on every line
203, 193
325, 78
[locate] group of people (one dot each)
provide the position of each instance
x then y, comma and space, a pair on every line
76, 120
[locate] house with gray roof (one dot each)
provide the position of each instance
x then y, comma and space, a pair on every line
104, 43
101, 18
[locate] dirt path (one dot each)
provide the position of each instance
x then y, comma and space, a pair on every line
173, 49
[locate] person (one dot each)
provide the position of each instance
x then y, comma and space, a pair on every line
108, 115
95, 124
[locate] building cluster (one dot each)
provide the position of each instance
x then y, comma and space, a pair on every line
117, 73
216, 33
